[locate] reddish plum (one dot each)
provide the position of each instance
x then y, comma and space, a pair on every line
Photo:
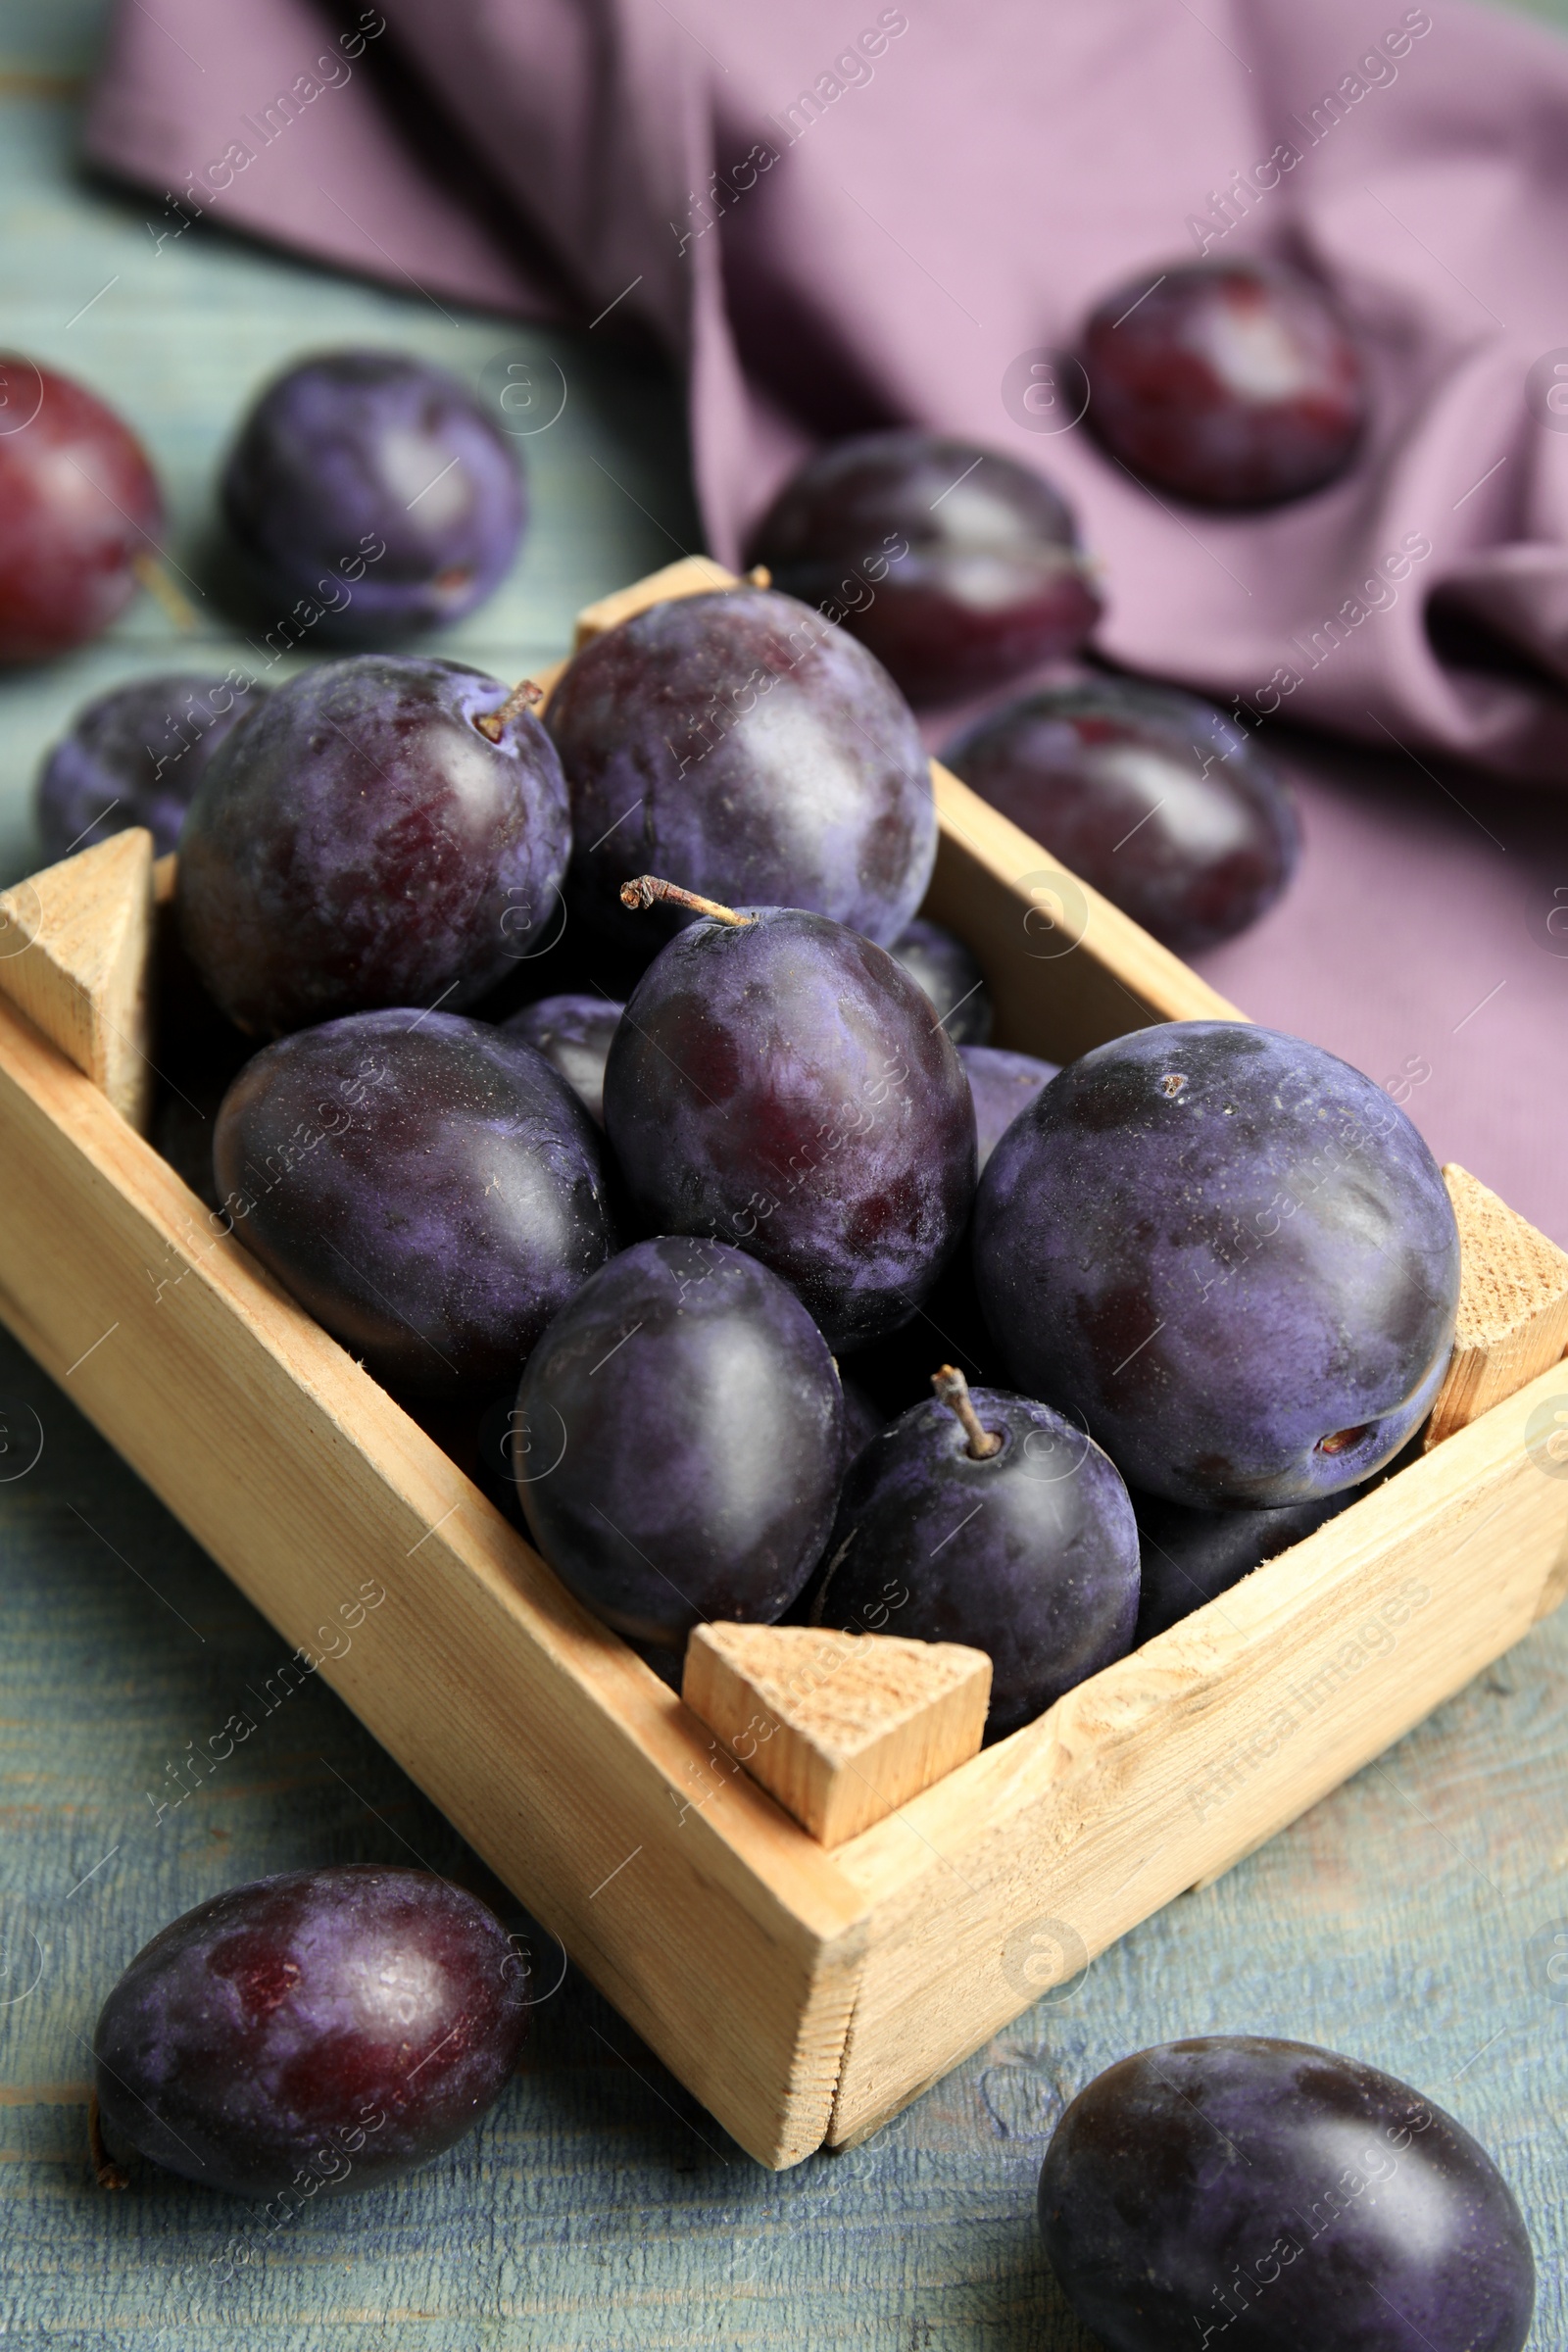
1231, 383
78, 507
328, 2028
1158, 799
957, 566
1231, 1254
753, 752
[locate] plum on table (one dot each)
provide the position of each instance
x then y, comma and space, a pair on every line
575, 1033
778, 1081
951, 976
1231, 383
327, 2029
360, 841
1231, 1254
135, 756
1284, 2199
679, 1440
380, 479
957, 566
431, 1190
1003, 1084
1158, 799
988, 1519
80, 511
754, 753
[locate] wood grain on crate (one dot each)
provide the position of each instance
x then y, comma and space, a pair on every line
75, 955
1513, 1306
842, 1727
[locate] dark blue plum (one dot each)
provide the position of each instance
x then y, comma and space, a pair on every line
1003, 1084
1028, 1551
679, 1440
380, 479
359, 841
431, 1190
750, 750
1232, 383
1280, 2198
1231, 1254
327, 2029
1161, 800
951, 978
135, 756
1190, 1556
863, 1419
957, 566
575, 1033
778, 1081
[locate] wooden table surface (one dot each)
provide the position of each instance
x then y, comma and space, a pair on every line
1411, 1919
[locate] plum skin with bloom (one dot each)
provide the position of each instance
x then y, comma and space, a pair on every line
124, 759
780, 1082
949, 972
79, 506
1029, 1553
1231, 383
1313, 2199
431, 1191
1161, 800
683, 1434
744, 748
959, 567
1003, 1084
1231, 1254
361, 2013
359, 841
354, 445
574, 1034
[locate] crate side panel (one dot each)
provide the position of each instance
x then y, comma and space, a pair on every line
1169, 1766
717, 1928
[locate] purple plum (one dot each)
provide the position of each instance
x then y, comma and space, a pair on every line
431, 1190
1003, 1084
135, 756
1304, 2197
381, 478
951, 978
359, 841
778, 1081
574, 1034
1229, 1253
333, 2027
679, 1440
989, 1520
1190, 1556
1156, 797
753, 752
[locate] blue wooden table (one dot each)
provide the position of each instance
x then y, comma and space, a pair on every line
1412, 1917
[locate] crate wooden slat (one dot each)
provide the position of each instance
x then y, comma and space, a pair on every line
802, 1994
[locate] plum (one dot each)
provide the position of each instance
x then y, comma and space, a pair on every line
1003, 1084
994, 1522
1156, 797
1231, 383
359, 841
1189, 1556
332, 2027
951, 976
576, 1034
778, 1081
355, 452
751, 751
957, 566
679, 1440
79, 513
1304, 2198
135, 756
431, 1190
1231, 1254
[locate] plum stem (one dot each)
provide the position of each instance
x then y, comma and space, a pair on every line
110, 2175
759, 577
648, 890
523, 697
953, 1391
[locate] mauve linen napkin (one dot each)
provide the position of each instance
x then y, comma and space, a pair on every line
837, 214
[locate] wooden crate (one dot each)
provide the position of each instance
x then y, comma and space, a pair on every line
803, 1994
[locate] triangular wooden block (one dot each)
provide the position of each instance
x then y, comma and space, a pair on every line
1513, 1306
75, 956
841, 1727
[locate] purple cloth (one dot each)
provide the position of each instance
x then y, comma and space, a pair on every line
840, 220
